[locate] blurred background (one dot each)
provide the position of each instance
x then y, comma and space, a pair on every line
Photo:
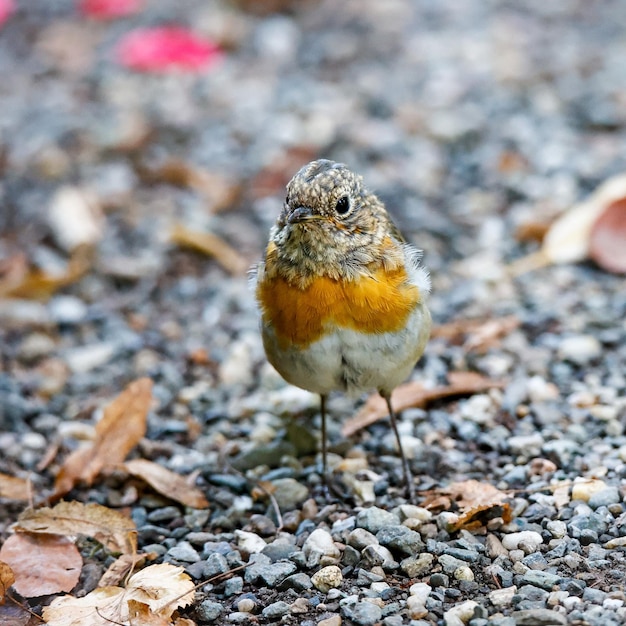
145, 146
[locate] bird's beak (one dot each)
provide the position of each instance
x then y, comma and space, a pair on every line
302, 214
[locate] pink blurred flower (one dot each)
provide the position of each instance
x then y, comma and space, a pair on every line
6, 8
164, 48
109, 9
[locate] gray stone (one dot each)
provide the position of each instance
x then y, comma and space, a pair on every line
233, 586
379, 555
279, 550
450, 564
215, 564
359, 538
362, 613
538, 578
209, 611
414, 567
275, 610
401, 538
289, 493
299, 582
606, 497
538, 617
183, 551
375, 519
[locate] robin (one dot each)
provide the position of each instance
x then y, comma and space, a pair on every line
342, 295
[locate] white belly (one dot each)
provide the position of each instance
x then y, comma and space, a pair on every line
353, 362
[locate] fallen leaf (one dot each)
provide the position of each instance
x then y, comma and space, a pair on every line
163, 588
211, 245
415, 395
607, 245
7, 578
6, 10
122, 426
165, 48
109, 9
218, 191
34, 283
568, 239
42, 564
75, 218
475, 501
168, 483
477, 335
111, 528
14, 488
140, 614
116, 572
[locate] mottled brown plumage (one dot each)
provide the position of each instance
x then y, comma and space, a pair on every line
342, 296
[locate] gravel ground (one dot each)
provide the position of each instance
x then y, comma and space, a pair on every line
472, 120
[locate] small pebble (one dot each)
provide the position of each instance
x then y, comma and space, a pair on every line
319, 544
327, 578
529, 538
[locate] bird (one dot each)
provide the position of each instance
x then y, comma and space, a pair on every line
342, 295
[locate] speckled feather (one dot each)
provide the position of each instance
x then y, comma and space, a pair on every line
341, 293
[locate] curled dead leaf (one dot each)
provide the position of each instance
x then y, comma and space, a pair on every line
14, 488
33, 283
42, 564
7, 578
475, 502
568, 239
168, 483
211, 245
414, 394
122, 426
607, 243
111, 528
162, 588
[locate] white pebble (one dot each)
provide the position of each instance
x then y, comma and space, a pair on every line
502, 597
421, 591
416, 608
531, 540
319, 544
580, 349
460, 614
249, 543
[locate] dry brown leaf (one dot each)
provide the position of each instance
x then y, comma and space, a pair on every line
168, 483
14, 488
477, 335
607, 245
112, 529
124, 563
139, 614
42, 564
211, 245
414, 394
122, 426
163, 588
34, 283
476, 502
568, 239
7, 578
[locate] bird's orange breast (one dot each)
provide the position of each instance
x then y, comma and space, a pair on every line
376, 303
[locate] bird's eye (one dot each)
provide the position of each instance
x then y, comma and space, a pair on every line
343, 205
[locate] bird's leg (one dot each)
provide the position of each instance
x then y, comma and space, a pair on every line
406, 470
324, 446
